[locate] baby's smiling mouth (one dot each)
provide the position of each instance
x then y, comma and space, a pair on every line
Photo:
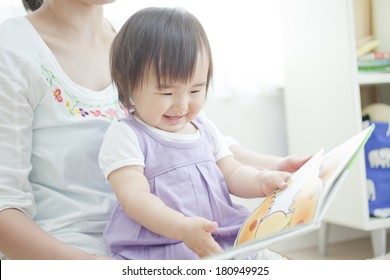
173, 120
173, 117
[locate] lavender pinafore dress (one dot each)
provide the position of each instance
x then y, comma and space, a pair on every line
186, 177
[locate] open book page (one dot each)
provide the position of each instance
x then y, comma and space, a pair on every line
282, 214
307, 193
341, 158
283, 209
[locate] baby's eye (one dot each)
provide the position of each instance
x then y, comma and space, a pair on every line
195, 91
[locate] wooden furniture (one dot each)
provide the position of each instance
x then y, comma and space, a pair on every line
323, 102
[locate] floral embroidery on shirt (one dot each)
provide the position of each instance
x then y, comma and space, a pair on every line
110, 110
57, 95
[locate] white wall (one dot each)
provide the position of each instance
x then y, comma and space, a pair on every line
256, 121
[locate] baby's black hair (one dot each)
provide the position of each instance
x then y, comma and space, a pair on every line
169, 39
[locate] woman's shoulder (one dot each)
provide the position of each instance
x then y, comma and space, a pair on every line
17, 37
19, 53
14, 29
11, 23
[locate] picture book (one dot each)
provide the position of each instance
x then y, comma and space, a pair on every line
380, 69
376, 55
373, 62
301, 206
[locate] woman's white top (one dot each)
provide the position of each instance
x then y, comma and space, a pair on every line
51, 130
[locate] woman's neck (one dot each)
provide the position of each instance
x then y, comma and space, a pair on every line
79, 38
73, 19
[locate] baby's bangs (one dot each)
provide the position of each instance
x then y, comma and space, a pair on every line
180, 45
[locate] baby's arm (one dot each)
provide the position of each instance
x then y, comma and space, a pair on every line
251, 158
267, 162
133, 192
248, 182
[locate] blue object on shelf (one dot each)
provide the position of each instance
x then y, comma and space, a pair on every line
377, 155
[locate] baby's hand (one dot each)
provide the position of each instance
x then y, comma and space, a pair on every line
291, 163
273, 180
197, 236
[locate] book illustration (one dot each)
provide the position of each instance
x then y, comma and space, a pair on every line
300, 207
286, 208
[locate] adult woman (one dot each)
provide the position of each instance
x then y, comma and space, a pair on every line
56, 102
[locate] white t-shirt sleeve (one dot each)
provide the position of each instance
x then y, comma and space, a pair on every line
221, 146
225, 138
17, 100
120, 148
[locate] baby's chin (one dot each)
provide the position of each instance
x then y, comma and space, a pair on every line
180, 128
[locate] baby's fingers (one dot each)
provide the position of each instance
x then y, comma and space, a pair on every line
210, 249
209, 226
281, 182
275, 180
